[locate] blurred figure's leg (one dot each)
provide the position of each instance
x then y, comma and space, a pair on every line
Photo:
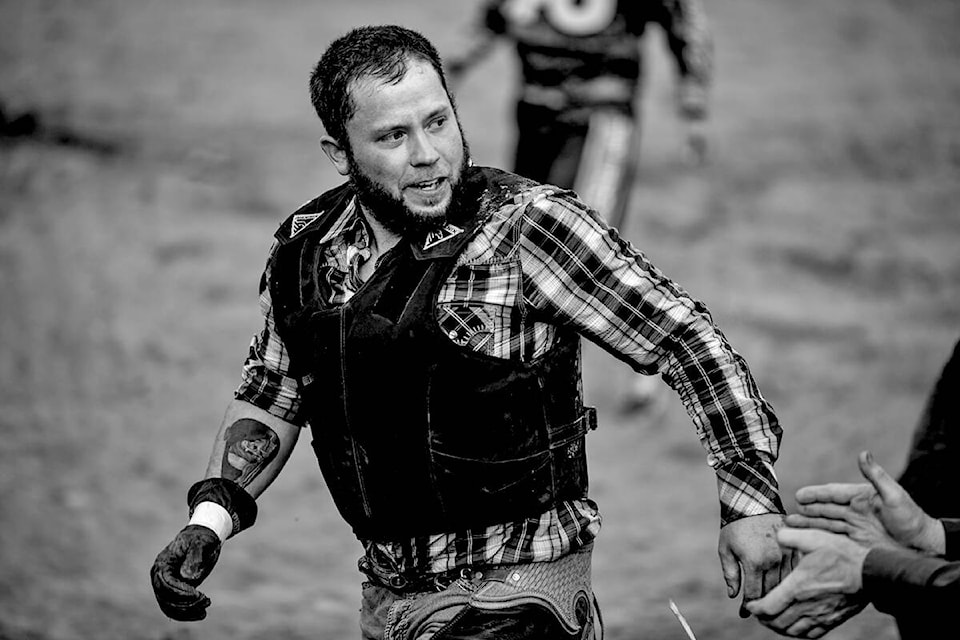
563, 173
548, 150
607, 169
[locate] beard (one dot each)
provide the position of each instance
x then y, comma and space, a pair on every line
393, 213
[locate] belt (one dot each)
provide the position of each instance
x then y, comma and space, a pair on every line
415, 582
557, 585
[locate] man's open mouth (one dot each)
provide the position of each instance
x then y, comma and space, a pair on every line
428, 185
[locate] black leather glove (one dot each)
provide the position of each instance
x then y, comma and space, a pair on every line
180, 568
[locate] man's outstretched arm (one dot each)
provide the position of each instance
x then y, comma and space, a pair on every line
638, 314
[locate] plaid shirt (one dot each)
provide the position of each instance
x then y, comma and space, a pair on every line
542, 261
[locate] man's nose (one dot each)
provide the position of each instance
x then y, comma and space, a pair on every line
422, 150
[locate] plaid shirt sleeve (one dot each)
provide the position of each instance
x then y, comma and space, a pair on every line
265, 380
582, 275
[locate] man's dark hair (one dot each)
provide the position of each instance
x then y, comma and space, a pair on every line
383, 52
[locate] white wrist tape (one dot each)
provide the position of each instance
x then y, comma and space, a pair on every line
213, 516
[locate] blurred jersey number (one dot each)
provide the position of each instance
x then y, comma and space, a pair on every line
572, 17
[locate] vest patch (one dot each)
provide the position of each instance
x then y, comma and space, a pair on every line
441, 235
301, 221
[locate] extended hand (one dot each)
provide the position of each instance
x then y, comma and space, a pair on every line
751, 557
877, 513
180, 568
823, 590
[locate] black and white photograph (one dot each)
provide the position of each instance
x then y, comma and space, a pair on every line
479, 319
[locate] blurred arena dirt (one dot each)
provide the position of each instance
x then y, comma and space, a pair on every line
158, 144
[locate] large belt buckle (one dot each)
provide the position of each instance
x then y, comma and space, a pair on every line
443, 580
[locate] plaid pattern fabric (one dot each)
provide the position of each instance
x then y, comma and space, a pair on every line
547, 537
541, 264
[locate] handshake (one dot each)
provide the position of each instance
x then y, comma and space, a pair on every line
858, 543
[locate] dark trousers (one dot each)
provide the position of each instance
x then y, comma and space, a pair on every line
548, 149
562, 152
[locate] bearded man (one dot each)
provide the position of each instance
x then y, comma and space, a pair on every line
423, 320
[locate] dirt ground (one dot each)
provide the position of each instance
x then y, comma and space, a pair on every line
174, 136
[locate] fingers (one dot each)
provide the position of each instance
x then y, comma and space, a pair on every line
787, 563
179, 568
834, 525
731, 572
785, 613
177, 599
752, 579
803, 540
805, 628
772, 577
837, 492
806, 617
887, 487
774, 603
189, 612
825, 510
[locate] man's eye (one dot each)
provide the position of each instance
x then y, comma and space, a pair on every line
393, 136
438, 123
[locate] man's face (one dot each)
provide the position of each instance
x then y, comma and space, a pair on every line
405, 149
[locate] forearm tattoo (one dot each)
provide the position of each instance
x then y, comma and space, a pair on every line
249, 447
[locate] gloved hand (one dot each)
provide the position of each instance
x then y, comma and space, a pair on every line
180, 568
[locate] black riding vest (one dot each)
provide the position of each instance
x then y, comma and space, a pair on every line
414, 434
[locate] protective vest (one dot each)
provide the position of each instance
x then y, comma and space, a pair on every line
415, 434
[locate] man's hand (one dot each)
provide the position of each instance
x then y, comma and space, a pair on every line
877, 513
180, 568
751, 558
823, 590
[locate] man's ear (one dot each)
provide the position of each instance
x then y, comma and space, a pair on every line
336, 153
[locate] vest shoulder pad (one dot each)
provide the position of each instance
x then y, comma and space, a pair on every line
315, 215
501, 188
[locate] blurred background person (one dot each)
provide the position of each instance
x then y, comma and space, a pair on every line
861, 544
930, 473
577, 109
930, 476
578, 113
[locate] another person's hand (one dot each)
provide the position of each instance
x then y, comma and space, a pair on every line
180, 568
824, 589
877, 513
752, 561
